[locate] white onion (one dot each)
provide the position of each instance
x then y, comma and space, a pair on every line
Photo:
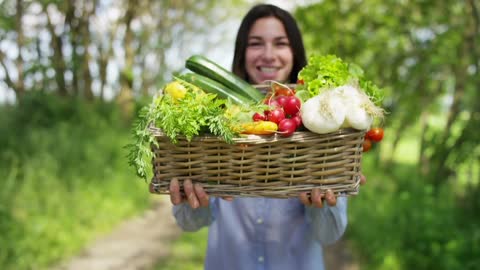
323, 113
344, 106
358, 118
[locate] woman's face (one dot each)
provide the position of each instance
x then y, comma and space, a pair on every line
268, 55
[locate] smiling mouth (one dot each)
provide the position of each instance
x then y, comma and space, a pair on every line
268, 70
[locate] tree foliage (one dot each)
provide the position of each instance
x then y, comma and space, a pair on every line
426, 54
98, 49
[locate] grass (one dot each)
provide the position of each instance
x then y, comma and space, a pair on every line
65, 181
188, 252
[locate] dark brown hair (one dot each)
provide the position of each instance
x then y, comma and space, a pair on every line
293, 34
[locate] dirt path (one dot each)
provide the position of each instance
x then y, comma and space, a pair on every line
339, 257
137, 244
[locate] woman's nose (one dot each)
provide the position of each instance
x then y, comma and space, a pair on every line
268, 53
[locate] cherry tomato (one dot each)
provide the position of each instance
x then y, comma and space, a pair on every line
367, 144
282, 90
375, 134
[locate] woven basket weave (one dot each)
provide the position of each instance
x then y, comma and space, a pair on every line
261, 166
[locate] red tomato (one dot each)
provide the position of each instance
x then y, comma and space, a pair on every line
259, 117
292, 105
375, 134
367, 144
287, 127
276, 115
300, 81
282, 90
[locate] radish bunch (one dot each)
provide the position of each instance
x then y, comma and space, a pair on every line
284, 111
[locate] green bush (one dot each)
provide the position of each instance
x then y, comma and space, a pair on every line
65, 178
401, 222
188, 252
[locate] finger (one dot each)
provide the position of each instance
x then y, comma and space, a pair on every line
152, 188
201, 195
228, 198
304, 199
175, 196
317, 197
363, 179
330, 198
191, 197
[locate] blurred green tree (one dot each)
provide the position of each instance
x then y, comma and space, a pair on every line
426, 55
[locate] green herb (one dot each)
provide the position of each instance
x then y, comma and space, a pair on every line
327, 71
139, 153
190, 115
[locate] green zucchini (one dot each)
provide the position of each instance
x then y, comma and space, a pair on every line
214, 87
203, 66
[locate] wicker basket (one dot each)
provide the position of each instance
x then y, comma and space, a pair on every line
262, 166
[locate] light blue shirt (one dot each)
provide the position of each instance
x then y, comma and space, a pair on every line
264, 233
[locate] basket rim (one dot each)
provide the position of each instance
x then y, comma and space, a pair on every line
249, 138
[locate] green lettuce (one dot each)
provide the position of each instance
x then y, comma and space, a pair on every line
329, 71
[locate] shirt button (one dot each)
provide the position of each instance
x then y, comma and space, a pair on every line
259, 221
260, 259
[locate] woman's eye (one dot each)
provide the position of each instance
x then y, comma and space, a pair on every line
283, 44
254, 44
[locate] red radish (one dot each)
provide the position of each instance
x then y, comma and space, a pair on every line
281, 100
292, 105
298, 119
259, 117
287, 127
276, 115
272, 103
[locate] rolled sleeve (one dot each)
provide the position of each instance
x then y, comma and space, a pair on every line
190, 219
329, 222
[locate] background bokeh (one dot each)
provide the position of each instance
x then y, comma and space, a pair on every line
73, 75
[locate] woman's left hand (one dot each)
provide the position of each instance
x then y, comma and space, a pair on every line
316, 198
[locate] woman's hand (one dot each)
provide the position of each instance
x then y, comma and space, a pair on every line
194, 194
316, 198
363, 179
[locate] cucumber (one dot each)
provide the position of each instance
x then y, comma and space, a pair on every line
214, 87
203, 66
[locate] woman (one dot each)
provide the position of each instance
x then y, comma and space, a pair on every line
264, 233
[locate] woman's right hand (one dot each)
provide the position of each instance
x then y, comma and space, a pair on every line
194, 194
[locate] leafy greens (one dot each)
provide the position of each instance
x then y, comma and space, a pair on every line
328, 71
197, 112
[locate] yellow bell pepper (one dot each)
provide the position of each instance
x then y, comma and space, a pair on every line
259, 128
